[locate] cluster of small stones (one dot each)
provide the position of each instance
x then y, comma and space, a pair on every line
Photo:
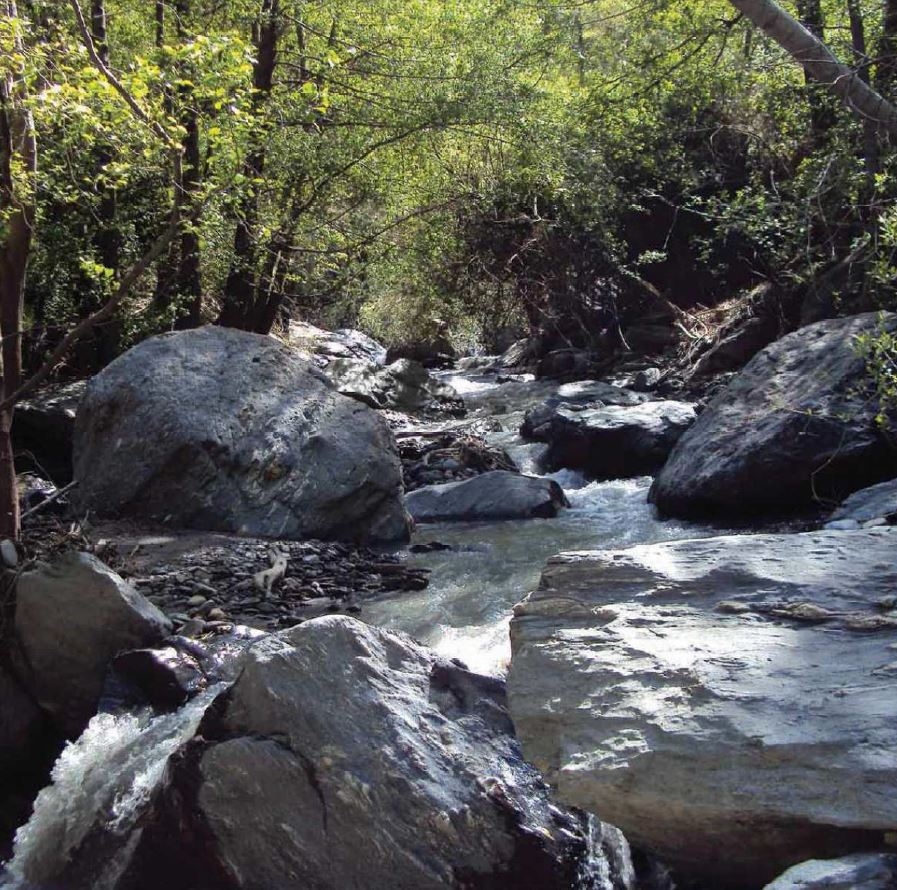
215, 587
447, 457
211, 587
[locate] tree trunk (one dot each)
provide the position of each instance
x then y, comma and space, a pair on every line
189, 281
822, 114
167, 272
106, 240
18, 147
238, 308
820, 63
870, 137
886, 67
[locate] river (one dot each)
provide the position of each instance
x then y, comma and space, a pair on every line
464, 614
465, 611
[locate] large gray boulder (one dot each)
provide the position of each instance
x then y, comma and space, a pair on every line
609, 442
499, 494
228, 431
729, 703
404, 385
72, 617
862, 871
346, 756
797, 424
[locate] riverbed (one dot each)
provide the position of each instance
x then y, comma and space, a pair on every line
465, 611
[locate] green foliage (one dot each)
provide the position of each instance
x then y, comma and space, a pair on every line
481, 163
879, 350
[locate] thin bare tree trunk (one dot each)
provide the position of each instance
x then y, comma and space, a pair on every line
822, 112
106, 240
886, 67
18, 145
238, 308
861, 59
189, 279
820, 62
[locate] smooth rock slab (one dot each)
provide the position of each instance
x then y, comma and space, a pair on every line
72, 617
876, 502
729, 703
222, 430
796, 425
864, 871
500, 494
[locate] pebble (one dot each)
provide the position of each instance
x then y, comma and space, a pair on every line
8, 553
339, 577
192, 628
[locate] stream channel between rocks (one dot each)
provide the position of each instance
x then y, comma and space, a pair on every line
465, 611
463, 614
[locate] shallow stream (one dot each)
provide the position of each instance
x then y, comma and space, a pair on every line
465, 611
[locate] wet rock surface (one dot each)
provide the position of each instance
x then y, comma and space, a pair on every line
433, 793
227, 431
609, 442
796, 425
71, 617
495, 495
867, 871
167, 676
730, 703
876, 503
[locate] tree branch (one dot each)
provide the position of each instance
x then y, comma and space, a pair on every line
131, 277
820, 62
115, 83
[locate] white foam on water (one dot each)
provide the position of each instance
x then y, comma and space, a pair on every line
106, 776
465, 611
468, 386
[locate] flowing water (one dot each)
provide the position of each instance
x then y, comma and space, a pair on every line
465, 611
112, 769
109, 773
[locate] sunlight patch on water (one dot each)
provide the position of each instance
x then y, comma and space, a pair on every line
467, 386
465, 611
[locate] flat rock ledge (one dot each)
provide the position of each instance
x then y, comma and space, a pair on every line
730, 703
862, 871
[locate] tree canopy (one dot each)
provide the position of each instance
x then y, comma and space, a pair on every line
487, 165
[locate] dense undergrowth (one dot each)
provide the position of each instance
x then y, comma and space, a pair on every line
487, 167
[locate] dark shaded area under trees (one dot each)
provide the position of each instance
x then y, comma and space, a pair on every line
585, 174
